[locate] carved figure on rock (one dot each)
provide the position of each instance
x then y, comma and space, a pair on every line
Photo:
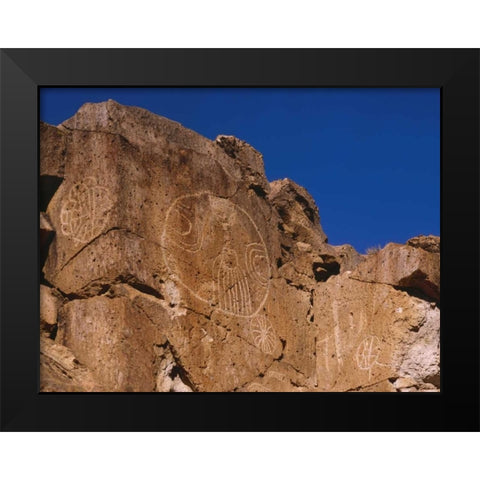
263, 334
85, 213
367, 354
202, 229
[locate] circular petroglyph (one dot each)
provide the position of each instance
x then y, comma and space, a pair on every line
256, 262
86, 210
263, 334
215, 250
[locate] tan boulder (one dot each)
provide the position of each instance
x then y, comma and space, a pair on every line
302, 238
430, 243
52, 151
299, 216
248, 160
114, 339
403, 266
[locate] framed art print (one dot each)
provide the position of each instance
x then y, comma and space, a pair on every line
189, 239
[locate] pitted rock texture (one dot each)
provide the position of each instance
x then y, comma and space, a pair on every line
170, 263
403, 266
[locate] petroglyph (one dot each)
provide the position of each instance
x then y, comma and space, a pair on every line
86, 211
337, 333
263, 334
350, 320
187, 228
323, 352
256, 261
198, 230
363, 321
356, 323
367, 354
232, 285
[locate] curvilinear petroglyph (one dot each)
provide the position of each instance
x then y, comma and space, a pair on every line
85, 212
172, 264
222, 235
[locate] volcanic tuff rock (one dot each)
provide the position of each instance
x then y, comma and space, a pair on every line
172, 264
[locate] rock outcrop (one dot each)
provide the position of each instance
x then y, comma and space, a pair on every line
170, 263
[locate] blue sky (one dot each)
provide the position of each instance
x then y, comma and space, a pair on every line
370, 157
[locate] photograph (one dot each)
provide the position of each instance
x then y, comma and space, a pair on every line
239, 239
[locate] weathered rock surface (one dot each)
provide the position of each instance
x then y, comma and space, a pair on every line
172, 264
52, 151
113, 338
403, 266
430, 243
50, 303
60, 371
369, 333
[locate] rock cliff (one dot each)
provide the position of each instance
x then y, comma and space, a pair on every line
170, 263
